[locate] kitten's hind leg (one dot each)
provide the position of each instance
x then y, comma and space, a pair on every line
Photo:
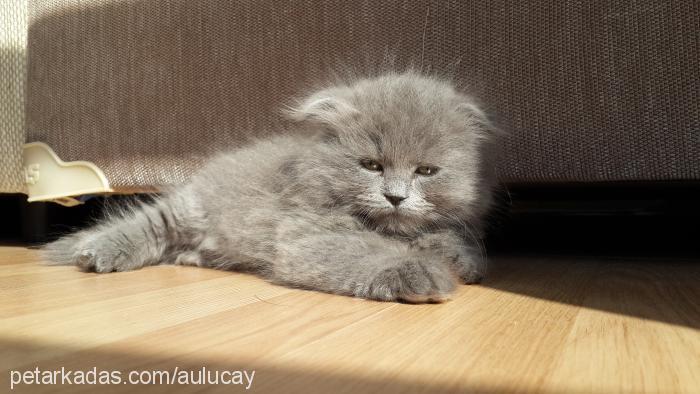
100, 249
142, 236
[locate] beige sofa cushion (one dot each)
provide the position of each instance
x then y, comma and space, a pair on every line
13, 40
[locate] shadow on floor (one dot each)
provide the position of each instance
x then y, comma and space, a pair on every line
18, 356
632, 250
664, 290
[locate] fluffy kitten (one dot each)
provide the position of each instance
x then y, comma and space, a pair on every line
376, 194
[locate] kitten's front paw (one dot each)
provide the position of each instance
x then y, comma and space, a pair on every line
413, 281
470, 269
465, 260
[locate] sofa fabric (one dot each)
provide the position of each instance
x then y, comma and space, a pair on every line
587, 91
13, 41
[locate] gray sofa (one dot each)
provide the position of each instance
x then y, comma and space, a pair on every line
590, 91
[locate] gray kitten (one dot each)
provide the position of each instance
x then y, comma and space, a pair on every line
378, 193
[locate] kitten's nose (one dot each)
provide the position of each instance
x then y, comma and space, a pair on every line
394, 200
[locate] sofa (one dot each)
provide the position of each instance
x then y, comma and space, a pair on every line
587, 92
13, 43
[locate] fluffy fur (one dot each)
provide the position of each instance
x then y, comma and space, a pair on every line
313, 208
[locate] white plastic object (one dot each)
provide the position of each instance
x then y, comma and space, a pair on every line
49, 178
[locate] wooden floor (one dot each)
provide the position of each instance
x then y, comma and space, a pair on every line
555, 324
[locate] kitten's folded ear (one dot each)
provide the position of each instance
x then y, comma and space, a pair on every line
477, 120
323, 108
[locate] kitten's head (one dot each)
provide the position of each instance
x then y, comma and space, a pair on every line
404, 152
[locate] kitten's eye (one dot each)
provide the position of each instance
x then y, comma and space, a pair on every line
426, 170
371, 165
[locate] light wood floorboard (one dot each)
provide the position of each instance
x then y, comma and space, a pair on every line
537, 324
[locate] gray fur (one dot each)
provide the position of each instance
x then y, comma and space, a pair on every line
302, 210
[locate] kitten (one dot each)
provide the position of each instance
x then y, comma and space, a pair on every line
378, 193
